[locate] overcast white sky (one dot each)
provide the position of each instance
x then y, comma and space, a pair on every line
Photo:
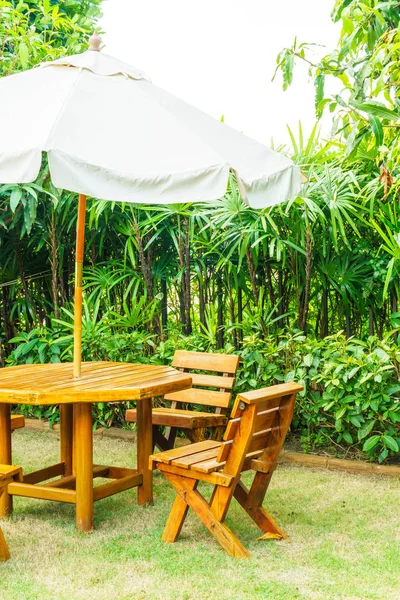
219, 55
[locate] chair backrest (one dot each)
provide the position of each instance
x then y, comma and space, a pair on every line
257, 429
218, 379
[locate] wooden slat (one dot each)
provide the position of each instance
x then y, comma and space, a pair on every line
184, 419
261, 465
202, 397
206, 361
116, 486
216, 478
231, 429
250, 458
70, 480
208, 466
168, 456
45, 474
55, 373
215, 381
270, 403
118, 376
39, 491
224, 451
260, 440
186, 462
266, 418
17, 422
120, 472
268, 393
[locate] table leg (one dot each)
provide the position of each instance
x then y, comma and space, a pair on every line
66, 412
83, 446
5, 454
144, 434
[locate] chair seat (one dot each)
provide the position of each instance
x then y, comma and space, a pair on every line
199, 396
200, 457
17, 422
184, 419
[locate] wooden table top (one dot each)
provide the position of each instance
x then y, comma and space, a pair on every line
99, 382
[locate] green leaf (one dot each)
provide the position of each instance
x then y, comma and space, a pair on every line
388, 276
355, 421
23, 53
365, 430
378, 110
308, 360
340, 413
15, 198
319, 84
371, 443
377, 130
347, 437
394, 416
288, 65
391, 443
383, 455
352, 372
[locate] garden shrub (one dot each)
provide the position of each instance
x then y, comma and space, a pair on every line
351, 390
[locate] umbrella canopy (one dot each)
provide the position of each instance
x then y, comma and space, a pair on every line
112, 134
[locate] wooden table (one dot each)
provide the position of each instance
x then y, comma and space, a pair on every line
100, 382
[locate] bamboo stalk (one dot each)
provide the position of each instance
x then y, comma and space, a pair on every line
80, 239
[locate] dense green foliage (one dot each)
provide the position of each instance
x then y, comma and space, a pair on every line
350, 395
279, 286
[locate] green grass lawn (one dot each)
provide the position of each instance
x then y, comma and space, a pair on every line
344, 529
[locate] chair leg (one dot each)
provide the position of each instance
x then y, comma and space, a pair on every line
224, 536
159, 441
4, 553
197, 435
170, 435
259, 515
176, 517
218, 434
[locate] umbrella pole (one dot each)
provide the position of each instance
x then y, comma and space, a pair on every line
80, 240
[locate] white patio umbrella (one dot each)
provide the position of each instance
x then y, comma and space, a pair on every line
112, 134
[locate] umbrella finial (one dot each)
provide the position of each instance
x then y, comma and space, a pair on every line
95, 42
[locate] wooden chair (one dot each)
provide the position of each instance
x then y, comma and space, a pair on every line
253, 440
208, 390
8, 474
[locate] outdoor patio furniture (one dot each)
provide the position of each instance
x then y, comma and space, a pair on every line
8, 474
208, 390
54, 384
253, 439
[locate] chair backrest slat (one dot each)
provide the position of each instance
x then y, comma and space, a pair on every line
208, 389
213, 381
264, 417
206, 361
